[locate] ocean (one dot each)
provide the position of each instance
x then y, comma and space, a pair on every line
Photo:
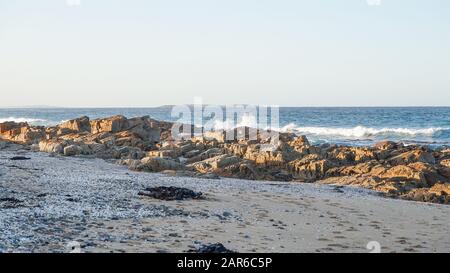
345, 126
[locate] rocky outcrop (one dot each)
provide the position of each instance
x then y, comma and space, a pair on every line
52, 146
411, 157
439, 193
115, 137
215, 164
109, 125
21, 132
143, 144
310, 168
77, 125
72, 150
153, 164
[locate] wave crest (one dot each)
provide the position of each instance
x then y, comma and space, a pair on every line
247, 120
362, 131
28, 120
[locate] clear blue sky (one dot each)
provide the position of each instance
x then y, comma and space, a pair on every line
284, 52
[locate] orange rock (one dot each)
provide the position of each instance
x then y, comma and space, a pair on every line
413, 156
441, 189
76, 125
21, 132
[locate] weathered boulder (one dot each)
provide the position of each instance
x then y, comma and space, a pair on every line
127, 152
237, 149
390, 187
430, 172
5, 127
145, 128
186, 147
299, 142
215, 163
128, 138
343, 155
219, 136
441, 189
134, 132
192, 153
260, 156
72, 150
113, 124
156, 164
52, 146
404, 173
358, 169
310, 168
96, 148
213, 152
76, 125
426, 195
367, 181
163, 153
248, 171
444, 168
62, 132
411, 157
445, 163
21, 132
364, 154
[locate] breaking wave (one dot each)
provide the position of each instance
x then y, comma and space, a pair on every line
362, 131
29, 120
247, 120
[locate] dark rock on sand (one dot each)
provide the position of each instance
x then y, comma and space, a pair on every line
17, 158
212, 248
170, 193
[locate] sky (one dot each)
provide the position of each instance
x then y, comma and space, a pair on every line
111, 53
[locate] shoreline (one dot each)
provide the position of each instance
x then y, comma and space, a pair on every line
357, 127
97, 204
411, 172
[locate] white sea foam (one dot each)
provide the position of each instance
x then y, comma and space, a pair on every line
247, 120
29, 120
360, 131
326, 132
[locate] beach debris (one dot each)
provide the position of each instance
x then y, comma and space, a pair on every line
211, 248
338, 189
18, 158
170, 193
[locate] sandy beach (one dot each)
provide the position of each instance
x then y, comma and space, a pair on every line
224, 127
48, 202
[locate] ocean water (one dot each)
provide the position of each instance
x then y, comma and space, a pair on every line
345, 126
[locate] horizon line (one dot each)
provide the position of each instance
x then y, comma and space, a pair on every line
173, 105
